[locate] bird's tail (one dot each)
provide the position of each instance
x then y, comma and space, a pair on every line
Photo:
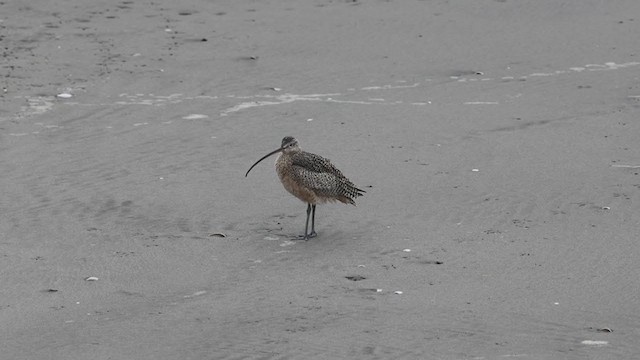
350, 193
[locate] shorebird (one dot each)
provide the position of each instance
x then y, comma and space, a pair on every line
311, 178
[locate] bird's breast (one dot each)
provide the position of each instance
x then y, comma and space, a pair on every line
284, 168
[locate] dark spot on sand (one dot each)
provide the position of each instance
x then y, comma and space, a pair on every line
355, 277
430, 262
196, 40
247, 58
459, 73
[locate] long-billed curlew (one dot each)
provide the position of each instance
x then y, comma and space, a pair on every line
310, 178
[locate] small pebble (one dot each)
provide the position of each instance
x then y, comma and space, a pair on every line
398, 292
407, 250
475, 170
607, 330
606, 208
91, 278
218, 235
64, 95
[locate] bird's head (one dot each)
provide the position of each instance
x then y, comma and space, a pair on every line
289, 145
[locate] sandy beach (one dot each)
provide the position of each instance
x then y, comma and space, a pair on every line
497, 141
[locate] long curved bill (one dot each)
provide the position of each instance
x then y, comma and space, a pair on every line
262, 158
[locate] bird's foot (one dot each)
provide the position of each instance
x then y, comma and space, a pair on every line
307, 236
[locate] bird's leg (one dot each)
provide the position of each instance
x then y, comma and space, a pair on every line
306, 224
313, 221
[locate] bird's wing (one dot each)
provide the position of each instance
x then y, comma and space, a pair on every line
314, 163
319, 174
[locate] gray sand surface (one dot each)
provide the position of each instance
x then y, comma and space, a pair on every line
496, 140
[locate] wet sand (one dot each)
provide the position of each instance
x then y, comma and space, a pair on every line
497, 142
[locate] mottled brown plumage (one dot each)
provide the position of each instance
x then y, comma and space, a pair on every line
311, 178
